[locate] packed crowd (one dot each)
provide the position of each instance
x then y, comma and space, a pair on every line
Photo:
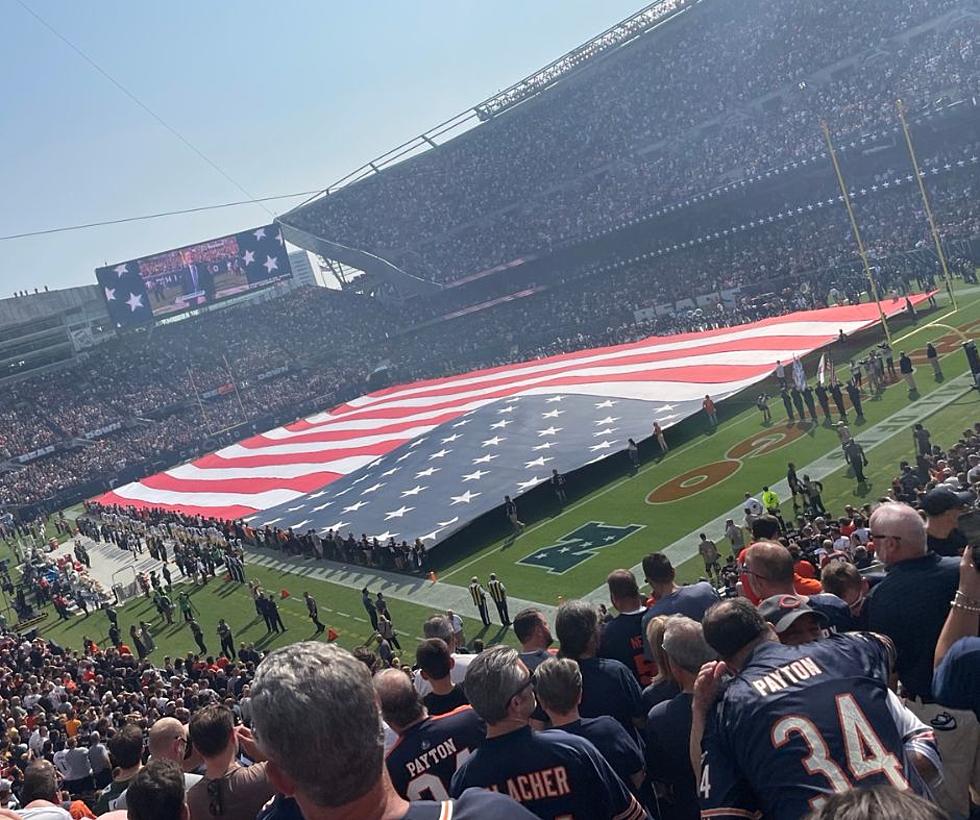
617, 140
709, 697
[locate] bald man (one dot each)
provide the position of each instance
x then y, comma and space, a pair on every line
415, 774
769, 568
910, 606
167, 740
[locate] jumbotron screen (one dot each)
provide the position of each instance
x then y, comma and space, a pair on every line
152, 287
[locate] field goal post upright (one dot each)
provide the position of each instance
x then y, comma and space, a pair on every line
920, 178
855, 230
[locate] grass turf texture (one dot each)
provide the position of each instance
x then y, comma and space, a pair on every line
606, 495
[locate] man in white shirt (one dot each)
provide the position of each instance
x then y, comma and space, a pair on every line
753, 505
439, 626
167, 740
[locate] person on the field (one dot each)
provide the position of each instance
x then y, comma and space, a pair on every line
784, 395
658, 434
854, 394
762, 402
710, 411
932, 356
907, 371
824, 401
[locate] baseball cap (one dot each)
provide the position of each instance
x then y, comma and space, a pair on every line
783, 610
943, 499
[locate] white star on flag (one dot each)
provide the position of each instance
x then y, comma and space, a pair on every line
384, 536
606, 403
452, 438
554, 399
271, 263
605, 432
398, 513
552, 414
121, 270
540, 461
391, 472
445, 524
414, 491
500, 425
551, 431
526, 485
440, 453
427, 472
355, 506
508, 409
339, 493
402, 458
110, 294
134, 301
546, 446
465, 498
605, 445
260, 233
322, 506
485, 459
668, 417
476, 475
294, 509
249, 257
665, 407
337, 526
373, 488
461, 423
493, 441
608, 420
417, 442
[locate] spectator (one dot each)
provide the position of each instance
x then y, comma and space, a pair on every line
227, 789
319, 698
558, 685
669, 722
439, 626
125, 751
943, 508
550, 773
40, 794
909, 606
157, 793
608, 687
435, 663
669, 598
621, 638
532, 631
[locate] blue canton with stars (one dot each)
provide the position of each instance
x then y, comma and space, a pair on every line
433, 486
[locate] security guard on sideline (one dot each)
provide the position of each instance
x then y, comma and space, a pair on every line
479, 600
499, 594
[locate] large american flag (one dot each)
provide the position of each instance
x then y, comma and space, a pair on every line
424, 459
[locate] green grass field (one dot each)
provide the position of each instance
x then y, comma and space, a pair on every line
619, 501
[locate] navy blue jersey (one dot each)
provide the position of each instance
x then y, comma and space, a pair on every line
799, 723
609, 688
837, 612
614, 744
473, 804
621, 640
423, 761
668, 759
552, 774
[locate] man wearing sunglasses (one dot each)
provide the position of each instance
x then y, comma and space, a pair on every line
554, 773
167, 740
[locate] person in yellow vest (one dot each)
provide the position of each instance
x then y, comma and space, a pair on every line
479, 600
771, 502
499, 594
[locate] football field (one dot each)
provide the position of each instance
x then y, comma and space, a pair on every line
614, 520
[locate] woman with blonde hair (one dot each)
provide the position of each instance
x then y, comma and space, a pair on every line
663, 686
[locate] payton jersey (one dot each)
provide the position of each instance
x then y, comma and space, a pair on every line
800, 723
423, 761
552, 774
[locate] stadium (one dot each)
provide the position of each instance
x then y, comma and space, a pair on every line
638, 356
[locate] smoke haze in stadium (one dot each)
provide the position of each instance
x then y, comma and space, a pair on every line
282, 98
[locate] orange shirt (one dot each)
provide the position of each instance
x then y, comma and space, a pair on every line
804, 569
72, 725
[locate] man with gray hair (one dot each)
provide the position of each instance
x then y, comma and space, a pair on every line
552, 773
669, 723
440, 626
317, 722
558, 685
910, 605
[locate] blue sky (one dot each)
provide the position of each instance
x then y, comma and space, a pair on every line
285, 96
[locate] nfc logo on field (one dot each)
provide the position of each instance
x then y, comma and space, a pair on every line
578, 546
